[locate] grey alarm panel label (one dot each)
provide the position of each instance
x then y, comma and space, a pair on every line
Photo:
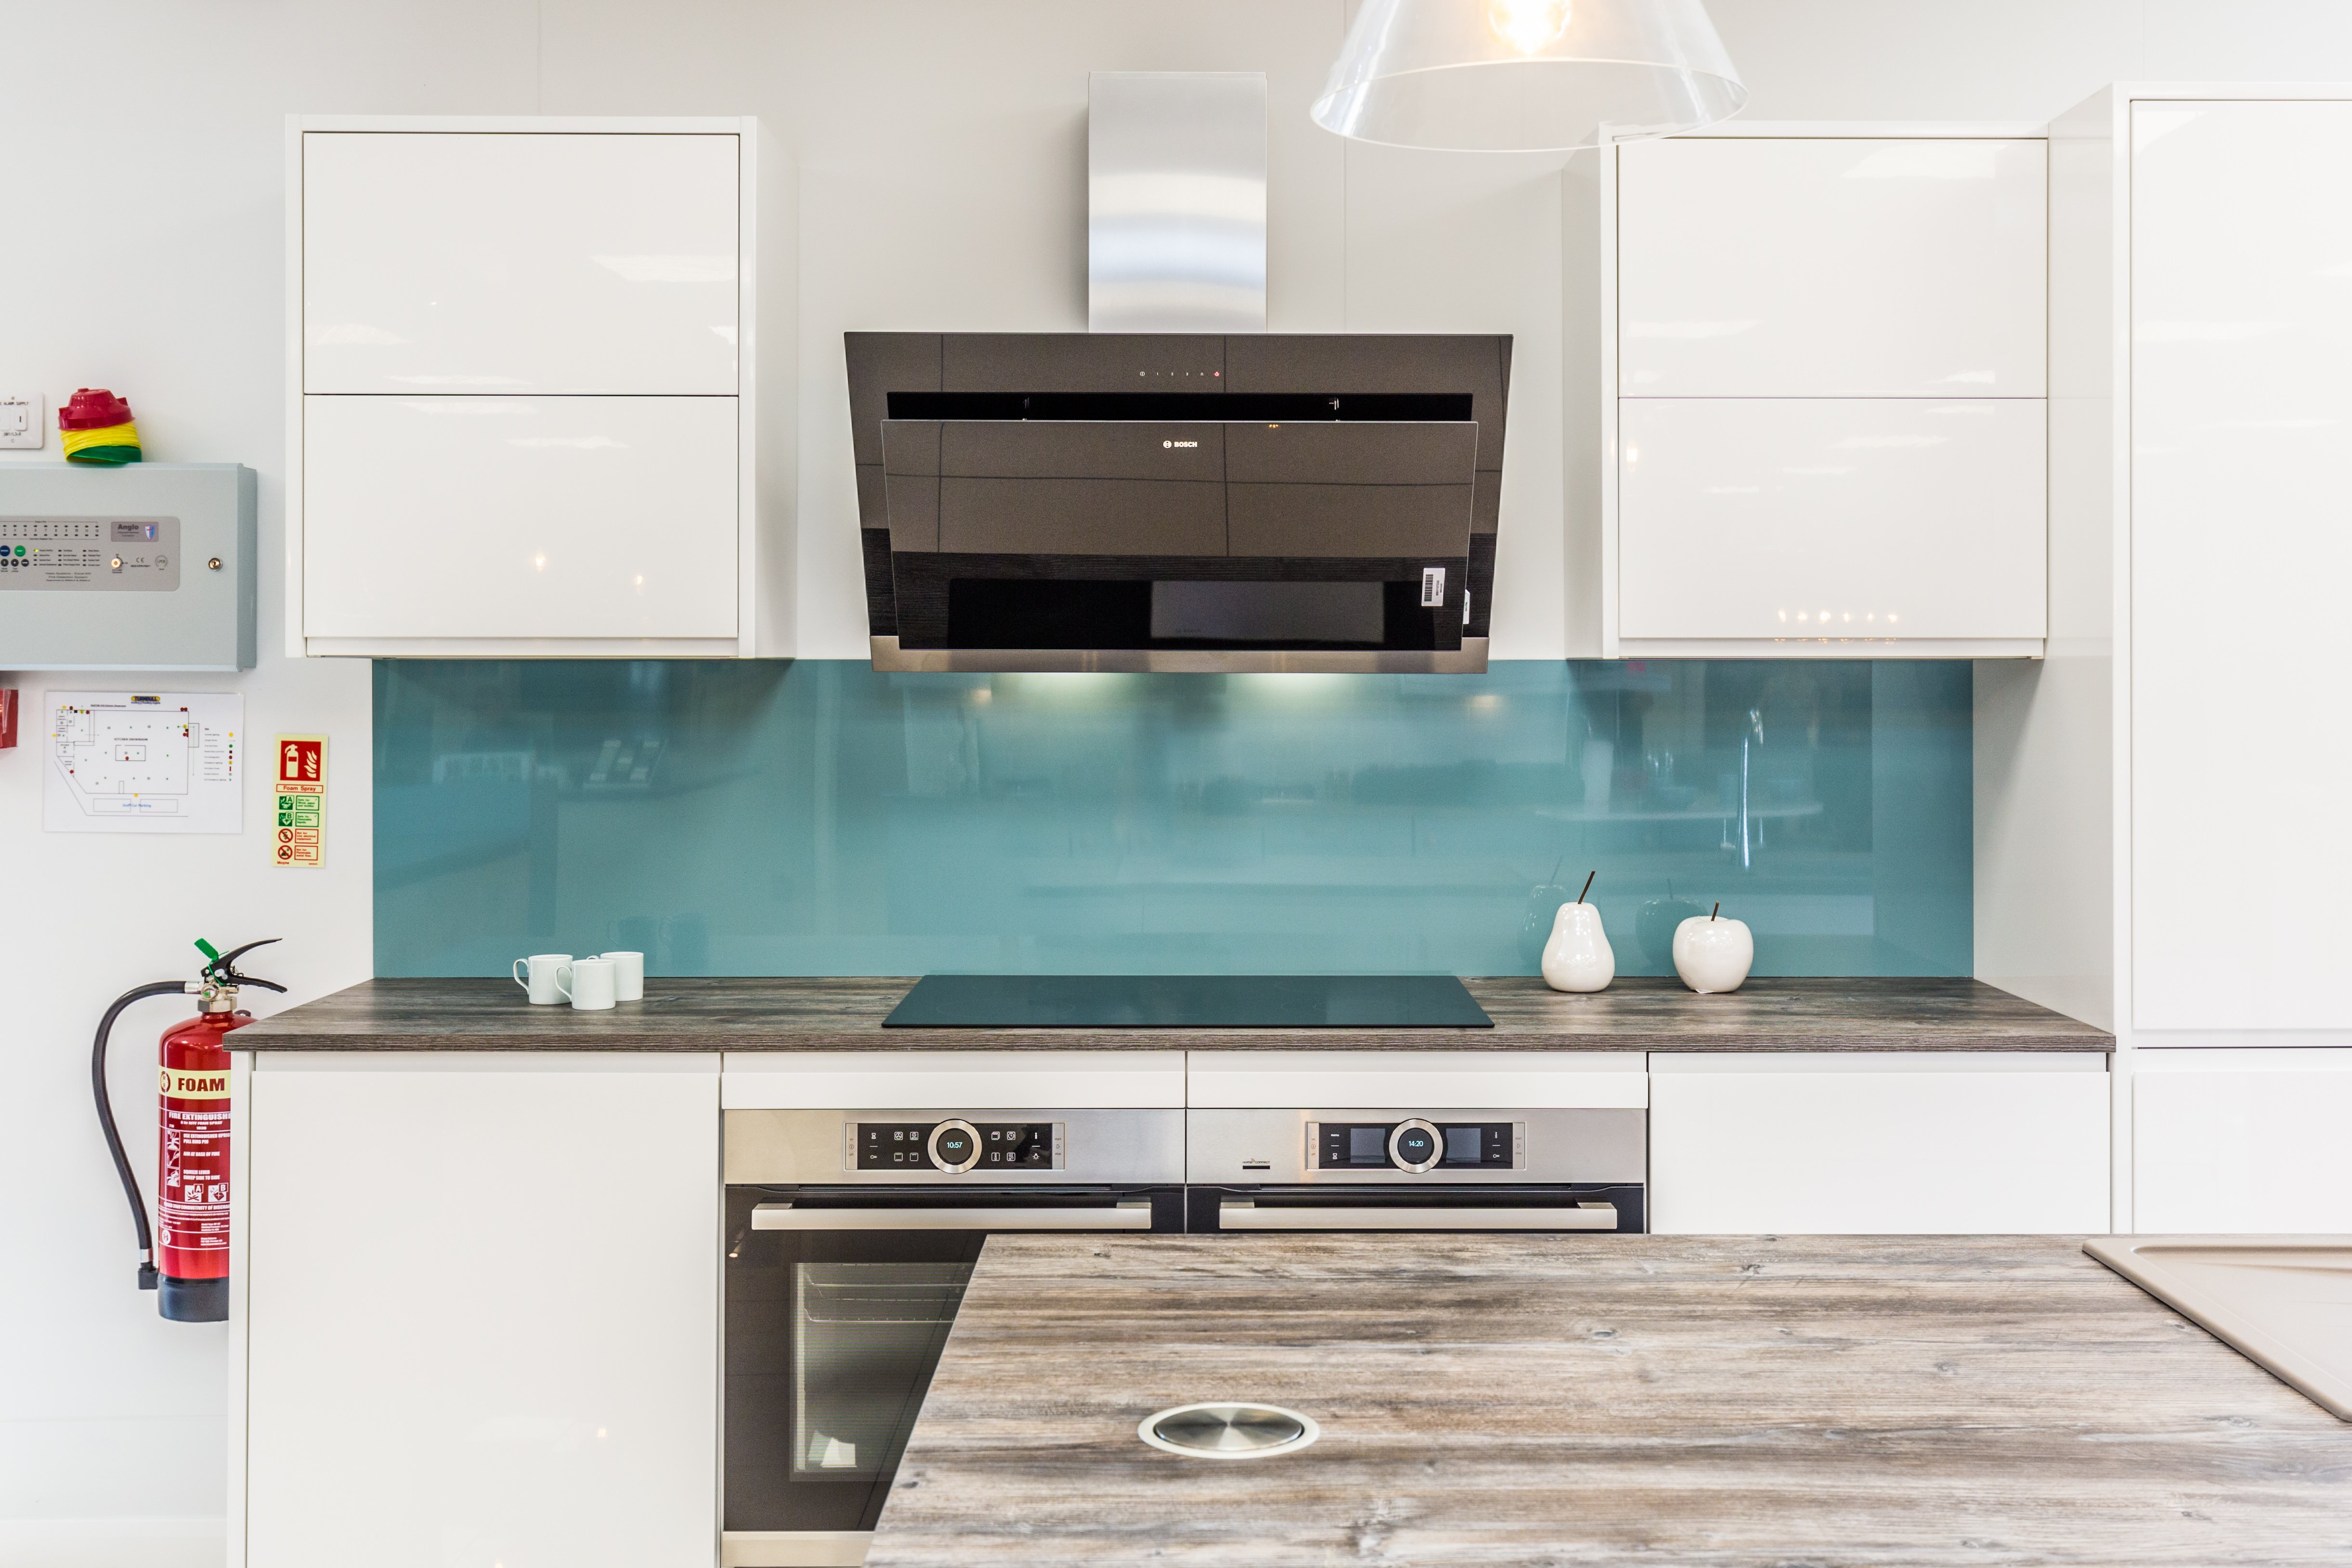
90, 555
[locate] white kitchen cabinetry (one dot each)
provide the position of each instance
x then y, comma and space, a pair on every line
1769, 517
585, 517
1872, 1143
2158, 832
477, 1300
2240, 420
528, 414
2257, 1147
1834, 266
1823, 351
443, 261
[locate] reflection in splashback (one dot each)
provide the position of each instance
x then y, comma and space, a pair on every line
817, 818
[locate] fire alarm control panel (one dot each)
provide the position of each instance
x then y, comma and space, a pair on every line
145, 567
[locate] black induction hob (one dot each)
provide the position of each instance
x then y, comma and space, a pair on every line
1188, 1001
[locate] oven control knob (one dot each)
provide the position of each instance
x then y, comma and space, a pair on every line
1415, 1145
955, 1147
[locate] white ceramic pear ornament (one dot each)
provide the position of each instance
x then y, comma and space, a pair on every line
1712, 953
1576, 957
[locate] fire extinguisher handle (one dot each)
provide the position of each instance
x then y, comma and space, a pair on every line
106, 1117
222, 970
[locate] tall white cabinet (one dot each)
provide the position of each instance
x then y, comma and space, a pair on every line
2157, 804
527, 415
1824, 415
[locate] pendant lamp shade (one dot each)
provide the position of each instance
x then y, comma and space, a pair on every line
1526, 75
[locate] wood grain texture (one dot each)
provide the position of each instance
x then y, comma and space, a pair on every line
1831, 1403
786, 1014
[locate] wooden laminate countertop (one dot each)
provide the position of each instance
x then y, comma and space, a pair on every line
1555, 1399
774, 1014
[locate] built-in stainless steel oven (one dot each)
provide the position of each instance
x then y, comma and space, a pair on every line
850, 1236
1392, 1169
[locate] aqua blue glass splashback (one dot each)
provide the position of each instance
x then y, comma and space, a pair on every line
817, 818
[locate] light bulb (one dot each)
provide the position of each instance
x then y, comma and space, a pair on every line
1528, 24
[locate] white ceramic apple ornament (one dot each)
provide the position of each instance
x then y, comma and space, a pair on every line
1712, 953
1576, 957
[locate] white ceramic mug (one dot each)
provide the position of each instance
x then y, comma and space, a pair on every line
586, 983
539, 968
628, 975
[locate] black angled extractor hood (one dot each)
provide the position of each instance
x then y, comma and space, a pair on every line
1113, 501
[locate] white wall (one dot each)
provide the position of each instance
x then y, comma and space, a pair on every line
941, 154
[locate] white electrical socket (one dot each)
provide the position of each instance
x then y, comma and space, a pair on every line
24, 420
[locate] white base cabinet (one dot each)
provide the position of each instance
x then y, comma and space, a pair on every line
479, 1312
1878, 1143
2224, 1148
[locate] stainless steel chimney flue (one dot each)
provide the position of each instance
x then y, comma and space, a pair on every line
1176, 202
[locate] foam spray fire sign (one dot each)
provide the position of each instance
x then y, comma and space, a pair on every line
300, 837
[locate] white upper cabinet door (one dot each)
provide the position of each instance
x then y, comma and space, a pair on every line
481, 517
2241, 430
1805, 518
546, 262
1770, 267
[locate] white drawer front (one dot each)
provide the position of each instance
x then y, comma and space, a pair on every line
1828, 1152
1419, 1080
966, 1080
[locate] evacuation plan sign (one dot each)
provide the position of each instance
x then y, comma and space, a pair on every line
299, 813
143, 762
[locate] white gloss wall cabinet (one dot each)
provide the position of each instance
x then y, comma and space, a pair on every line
2240, 427
459, 1344
588, 517
1877, 1144
529, 370
1823, 353
516, 264
1836, 266
1766, 518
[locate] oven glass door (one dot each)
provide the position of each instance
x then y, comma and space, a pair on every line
832, 1337
838, 1303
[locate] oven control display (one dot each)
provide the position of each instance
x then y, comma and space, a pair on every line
1418, 1146
974, 1147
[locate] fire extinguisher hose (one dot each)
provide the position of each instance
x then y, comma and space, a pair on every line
106, 1118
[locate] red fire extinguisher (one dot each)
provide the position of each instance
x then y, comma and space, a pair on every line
192, 1137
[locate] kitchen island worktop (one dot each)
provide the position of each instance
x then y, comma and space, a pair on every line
1556, 1399
791, 1014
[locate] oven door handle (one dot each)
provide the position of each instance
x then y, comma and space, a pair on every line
786, 1216
1241, 1215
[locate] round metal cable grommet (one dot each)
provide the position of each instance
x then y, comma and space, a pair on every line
1220, 1429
